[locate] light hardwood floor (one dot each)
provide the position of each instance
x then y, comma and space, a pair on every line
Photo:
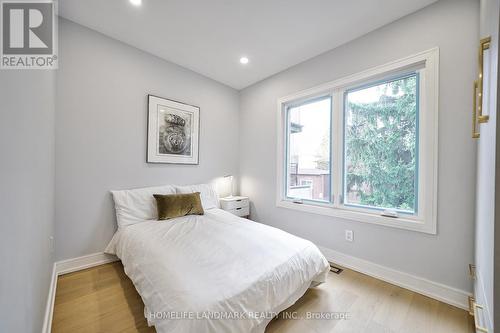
103, 300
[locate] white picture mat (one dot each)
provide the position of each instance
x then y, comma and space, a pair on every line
153, 155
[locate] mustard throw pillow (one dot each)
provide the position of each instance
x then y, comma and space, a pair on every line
176, 205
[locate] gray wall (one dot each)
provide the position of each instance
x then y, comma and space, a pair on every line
26, 197
453, 27
101, 126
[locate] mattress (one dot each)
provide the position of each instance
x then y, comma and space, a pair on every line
216, 272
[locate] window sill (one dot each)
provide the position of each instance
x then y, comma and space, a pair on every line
399, 222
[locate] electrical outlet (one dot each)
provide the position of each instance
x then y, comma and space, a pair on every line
349, 235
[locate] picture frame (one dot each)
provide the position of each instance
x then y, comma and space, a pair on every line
173, 131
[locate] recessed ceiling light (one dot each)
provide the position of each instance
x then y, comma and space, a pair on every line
244, 60
136, 2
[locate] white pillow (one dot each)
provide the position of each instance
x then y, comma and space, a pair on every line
138, 205
209, 197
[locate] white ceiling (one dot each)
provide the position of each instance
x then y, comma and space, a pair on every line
210, 36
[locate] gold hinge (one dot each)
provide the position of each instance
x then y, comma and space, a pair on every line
472, 271
471, 305
475, 308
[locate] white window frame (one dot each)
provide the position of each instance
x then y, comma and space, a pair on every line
425, 219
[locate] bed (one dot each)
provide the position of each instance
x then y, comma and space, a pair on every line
214, 272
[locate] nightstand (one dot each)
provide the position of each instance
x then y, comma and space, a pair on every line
239, 206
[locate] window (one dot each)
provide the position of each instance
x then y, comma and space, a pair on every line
306, 182
380, 145
364, 147
308, 167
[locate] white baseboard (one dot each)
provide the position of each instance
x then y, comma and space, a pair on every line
49, 307
68, 266
435, 290
77, 264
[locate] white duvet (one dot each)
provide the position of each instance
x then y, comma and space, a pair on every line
216, 272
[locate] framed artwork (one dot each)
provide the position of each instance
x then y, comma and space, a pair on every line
173, 131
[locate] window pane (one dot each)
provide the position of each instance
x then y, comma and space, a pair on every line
381, 155
308, 160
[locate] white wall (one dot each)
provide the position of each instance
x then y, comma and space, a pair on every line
102, 88
486, 166
452, 25
26, 197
